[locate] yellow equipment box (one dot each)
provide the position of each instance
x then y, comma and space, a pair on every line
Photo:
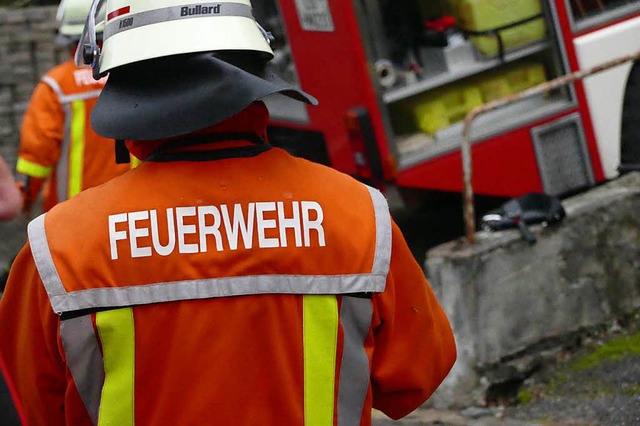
525, 75
436, 109
483, 15
510, 79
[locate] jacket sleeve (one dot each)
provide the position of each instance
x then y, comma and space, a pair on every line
30, 347
40, 140
414, 347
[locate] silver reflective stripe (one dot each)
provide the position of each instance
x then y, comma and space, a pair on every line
44, 262
54, 86
217, 287
84, 361
382, 257
62, 168
92, 94
63, 301
174, 13
355, 316
65, 99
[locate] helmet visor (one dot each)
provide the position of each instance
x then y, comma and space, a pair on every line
89, 55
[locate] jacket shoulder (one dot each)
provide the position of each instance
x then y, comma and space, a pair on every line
70, 79
321, 173
61, 72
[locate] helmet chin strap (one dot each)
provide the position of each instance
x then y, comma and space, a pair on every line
122, 152
88, 51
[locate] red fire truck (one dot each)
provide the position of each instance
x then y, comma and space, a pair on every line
395, 78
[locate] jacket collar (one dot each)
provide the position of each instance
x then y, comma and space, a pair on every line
253, 119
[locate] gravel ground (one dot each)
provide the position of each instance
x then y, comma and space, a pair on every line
607, 394
605, 391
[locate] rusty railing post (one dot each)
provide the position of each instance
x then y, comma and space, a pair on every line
465, 148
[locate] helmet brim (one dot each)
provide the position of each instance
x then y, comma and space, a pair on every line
173, 96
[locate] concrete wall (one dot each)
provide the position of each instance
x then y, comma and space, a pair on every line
505, 297
27, 51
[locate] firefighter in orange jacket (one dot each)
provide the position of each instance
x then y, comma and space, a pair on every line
222, 281
59, 152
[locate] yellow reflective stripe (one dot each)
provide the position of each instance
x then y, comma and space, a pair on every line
135, 162
32, 169
76, 154
320, 341
116, 331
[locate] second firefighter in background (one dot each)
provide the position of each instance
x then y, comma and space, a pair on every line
59, 152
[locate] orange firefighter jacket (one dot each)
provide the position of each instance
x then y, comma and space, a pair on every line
251, 288
57, 142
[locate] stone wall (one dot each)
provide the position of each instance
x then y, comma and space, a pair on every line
27, 51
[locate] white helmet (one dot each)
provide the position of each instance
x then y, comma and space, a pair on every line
136, 30
177, 67
71, 16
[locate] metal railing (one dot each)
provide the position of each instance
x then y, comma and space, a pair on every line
468, 198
